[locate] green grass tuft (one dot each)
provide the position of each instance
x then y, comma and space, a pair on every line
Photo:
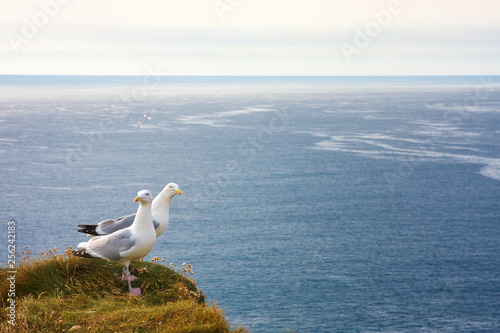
67, 293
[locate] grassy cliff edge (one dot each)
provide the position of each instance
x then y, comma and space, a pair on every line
63, 293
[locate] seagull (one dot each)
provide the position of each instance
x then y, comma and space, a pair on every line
147, 116
160, 210
127, 244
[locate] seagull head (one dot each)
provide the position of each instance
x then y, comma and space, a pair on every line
163, 199
173, 189
144, 196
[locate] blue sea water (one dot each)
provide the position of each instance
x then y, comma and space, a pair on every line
318, 204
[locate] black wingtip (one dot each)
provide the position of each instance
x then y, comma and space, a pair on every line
88, 229
88, 232
87, 226
81, 253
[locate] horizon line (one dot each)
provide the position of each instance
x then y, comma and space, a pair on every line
201, 75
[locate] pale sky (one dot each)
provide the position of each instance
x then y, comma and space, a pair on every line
250, 37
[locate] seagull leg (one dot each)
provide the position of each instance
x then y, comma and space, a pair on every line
127, 274
132, 291
124, 274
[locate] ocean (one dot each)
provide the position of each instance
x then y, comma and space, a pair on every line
317, 204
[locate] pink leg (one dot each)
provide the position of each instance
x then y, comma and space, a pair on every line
124, 275
132, 277
132, 291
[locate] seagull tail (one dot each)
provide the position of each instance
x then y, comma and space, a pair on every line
88, 229
81, 253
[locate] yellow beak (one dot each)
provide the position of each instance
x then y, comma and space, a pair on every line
179, 192
137, 199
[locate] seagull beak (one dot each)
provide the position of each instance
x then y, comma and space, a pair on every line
137, 199
179, 192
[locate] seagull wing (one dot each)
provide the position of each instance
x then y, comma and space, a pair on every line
107, 227
111, 247
110, 226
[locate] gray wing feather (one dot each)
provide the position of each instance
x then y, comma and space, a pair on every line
110, 226
110, 246
107, 227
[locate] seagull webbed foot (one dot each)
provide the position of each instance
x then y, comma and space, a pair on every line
135, 291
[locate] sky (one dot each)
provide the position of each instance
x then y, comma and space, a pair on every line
250, 37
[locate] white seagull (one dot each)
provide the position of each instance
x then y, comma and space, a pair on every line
127, 244
147, 116
160, 210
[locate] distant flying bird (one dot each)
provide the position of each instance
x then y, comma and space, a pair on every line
125, 245
160, 211
147, 116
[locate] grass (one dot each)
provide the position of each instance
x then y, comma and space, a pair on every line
61, 293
